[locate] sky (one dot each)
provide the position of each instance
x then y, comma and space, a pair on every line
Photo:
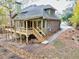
59, 5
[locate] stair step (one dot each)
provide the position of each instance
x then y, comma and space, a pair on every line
39, 35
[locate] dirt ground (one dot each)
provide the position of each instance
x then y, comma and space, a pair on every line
6, 54
63, 48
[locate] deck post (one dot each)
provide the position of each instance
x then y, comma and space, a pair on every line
14, 31
15, 36
27, 41
20, 38
18, 25
26, 32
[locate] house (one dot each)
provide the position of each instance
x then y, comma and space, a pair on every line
36, 23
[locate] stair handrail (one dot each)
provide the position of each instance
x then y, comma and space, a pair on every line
41, 31
36, 31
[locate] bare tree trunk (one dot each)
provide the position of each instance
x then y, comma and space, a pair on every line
10, 18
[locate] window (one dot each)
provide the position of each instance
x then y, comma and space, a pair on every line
49, 27
50, 11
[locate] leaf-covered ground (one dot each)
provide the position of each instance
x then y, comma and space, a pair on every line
63, 48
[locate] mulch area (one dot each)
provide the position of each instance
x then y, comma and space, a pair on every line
6, 54
63, 48
68, 34
66, 37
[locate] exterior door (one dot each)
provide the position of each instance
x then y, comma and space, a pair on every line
30, 24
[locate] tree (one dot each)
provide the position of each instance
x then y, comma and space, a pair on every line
10, 5
7, 4
2, 16
75, 18
67, 13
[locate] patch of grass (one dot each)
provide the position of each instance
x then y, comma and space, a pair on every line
75, 54
59, 44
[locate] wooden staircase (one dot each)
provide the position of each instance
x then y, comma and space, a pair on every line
40, 36
40, 31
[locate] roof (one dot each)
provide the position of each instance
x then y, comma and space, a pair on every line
35, 11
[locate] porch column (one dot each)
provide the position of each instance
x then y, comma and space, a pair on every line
26, 27
45, 26
41, 24
37, 24
32, 24
23, 25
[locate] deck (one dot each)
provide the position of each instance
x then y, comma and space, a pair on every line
23, 32
36, 32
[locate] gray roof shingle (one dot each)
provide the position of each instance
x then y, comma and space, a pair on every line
35, 12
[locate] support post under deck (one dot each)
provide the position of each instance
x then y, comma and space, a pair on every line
20, 39
27, 41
